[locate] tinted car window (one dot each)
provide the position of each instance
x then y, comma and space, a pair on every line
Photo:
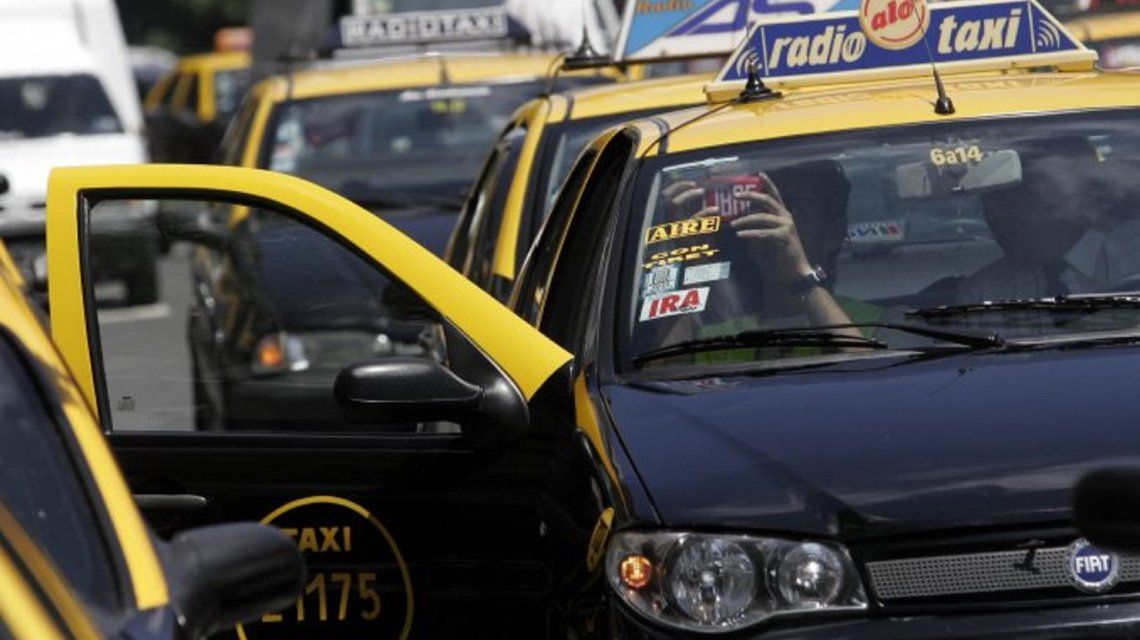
42, 487
902, 223
229, 87
40, 106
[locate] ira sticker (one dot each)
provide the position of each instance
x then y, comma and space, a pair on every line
660, 279
675, 303
706, 273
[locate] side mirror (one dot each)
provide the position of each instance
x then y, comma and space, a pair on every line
395, 390
1106, 508
405, 390
4, 186
231, 573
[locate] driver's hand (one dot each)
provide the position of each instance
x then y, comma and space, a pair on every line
771, 231
686, 200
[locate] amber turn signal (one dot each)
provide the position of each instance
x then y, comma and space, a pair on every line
636, 571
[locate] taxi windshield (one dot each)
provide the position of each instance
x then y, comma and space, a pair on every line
392, 148
889, 239
42, 106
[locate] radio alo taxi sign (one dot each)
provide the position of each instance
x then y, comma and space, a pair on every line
900, 38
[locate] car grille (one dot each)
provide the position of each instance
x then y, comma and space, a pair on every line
981, 573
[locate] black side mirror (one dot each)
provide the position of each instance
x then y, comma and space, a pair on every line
395, 390
4, 186
405, 390
1106, 508
231, 573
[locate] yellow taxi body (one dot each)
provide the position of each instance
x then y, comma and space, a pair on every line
128, 536
888, 103
201, 71
1099, 27
572, 106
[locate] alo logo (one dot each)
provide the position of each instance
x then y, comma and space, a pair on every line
1093, 570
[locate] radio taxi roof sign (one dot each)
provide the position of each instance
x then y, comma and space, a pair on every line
654, 29
424, 27
961, 36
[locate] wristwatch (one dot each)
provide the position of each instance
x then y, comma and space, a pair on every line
800, 288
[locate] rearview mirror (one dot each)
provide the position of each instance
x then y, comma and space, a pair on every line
1001, 168
1106, 508
232, 573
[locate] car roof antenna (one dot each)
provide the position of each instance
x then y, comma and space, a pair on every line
755, 89
943, 105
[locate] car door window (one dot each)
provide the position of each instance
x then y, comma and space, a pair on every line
484, 233
247, 330
530, 291
43, 487
234, 141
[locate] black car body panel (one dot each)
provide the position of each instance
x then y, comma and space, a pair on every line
897, 446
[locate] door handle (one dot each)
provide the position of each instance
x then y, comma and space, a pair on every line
170, 501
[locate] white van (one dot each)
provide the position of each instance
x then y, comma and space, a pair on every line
66, 98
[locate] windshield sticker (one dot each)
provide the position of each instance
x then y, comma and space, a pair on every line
879, 231
964, 154
684, 254
682, 229
675, 303
660, 279
706, 273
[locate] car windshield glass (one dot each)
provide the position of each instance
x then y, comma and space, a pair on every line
42, 488
229, 87
40, 106
887, 227
428, 141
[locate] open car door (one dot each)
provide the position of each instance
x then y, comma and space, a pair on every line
309, 366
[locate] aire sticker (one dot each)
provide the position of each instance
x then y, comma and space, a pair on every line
682, 229
675, 303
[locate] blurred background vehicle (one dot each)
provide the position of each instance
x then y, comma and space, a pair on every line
188, 109
67, 97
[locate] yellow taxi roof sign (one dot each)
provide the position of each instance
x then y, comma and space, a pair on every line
959, 37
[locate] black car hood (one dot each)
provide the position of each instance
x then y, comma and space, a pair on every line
876, 447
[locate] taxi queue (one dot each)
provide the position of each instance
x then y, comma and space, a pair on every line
821, 356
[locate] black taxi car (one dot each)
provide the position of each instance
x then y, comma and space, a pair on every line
668, 453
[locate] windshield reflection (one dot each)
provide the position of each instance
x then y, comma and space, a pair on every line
862, 232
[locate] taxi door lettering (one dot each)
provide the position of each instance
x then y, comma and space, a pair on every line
322, 539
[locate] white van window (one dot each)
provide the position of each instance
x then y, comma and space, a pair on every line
39, 106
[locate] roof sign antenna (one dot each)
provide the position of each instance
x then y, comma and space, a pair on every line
585, 49
755, 89
943, 105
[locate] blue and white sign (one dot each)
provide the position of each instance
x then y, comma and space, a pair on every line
964, 36
1093, 570
663, 28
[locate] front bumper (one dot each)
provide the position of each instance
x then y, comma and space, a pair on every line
1115, 620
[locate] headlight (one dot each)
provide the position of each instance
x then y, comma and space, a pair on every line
721, 583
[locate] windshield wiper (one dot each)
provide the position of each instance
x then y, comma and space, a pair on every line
1087, 303
821, 336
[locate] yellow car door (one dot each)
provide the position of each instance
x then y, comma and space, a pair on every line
385, 422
